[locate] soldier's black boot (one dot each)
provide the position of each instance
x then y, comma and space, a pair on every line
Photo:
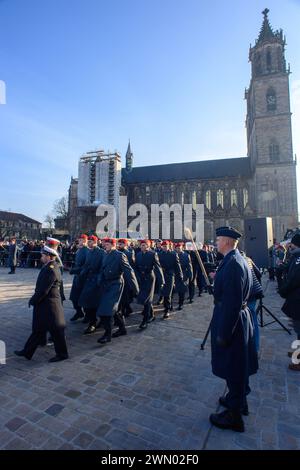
90, 329
22, 354
119, 332
104, 339
228, 419
78, 315
223, 402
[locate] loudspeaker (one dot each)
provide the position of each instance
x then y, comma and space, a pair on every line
258, 240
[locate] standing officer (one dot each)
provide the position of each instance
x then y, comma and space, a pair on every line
169, 262
148, 272
234, 356
78, 284
48, 313
90, 295
126, 298
187, 271
12, 256
115, 268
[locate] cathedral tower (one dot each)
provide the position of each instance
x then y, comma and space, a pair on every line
269, 130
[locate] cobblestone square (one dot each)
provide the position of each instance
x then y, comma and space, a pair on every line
147, 390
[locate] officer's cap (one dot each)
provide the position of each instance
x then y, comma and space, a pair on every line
46, 250
229, 232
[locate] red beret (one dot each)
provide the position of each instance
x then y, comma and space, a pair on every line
147, 242
93, 238
123, 240
165, 243
178, 244
109, 240
83, 236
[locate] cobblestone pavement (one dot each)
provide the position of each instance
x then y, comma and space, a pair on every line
147, 390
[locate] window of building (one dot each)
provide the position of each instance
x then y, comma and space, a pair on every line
269, 60
245, 197
182, 198
220, 198
208, 200
194, 200
274, 151
147, 190
271, 99
233, 197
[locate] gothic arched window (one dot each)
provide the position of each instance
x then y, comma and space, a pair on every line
274, 151
208, 200
257, 61
233, 197
194, 200
269, 60
271, 99
245, 197
220, 198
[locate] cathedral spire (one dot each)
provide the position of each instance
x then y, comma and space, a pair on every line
266, 33
129, 158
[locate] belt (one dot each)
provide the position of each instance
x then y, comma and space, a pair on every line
244, 304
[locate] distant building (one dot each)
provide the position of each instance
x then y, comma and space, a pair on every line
262, 184
19, 225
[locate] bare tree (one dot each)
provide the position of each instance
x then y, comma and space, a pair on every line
49, 221
60, 207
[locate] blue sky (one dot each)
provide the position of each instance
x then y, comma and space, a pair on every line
85, 74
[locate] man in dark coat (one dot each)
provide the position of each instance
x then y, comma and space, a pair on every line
78, 283
90, 294
169, 262
12, 256
195, 267
126, 298
234, 356
290, 290
187, 271
148, 272
48, 314
115, 268
199, 276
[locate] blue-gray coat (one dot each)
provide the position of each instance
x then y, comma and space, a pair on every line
90, 294
115, 268
78, 283
169, 262
234, 354
148, 270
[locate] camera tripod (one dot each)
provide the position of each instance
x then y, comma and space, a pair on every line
260, 311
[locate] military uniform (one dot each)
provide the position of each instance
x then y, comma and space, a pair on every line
234, 356
169, 262
12, 257
48, 314
90, 294
126, 298
148, 272
78, 283
115, 268
187, 270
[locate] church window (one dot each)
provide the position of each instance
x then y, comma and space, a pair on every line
271, 99
274, 151
147, 190
182, 198
258, 64
208, 200
269, 60
245, 197
220, 198
233, 197
194, 200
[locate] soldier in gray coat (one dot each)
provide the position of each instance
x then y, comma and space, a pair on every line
78, 283
114, 269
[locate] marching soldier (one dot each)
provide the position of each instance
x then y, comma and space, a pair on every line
115, 268
195, 267
126, 298
148, 272
48, 314
78, 284
90, 295
234, 356
187, 271
169, 262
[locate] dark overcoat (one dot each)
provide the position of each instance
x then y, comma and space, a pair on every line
127, 296
148, 272
12, 255
170, 264
48, 311
187, 271
90, 293
78, 283
290, 288
234, 355
115, 268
